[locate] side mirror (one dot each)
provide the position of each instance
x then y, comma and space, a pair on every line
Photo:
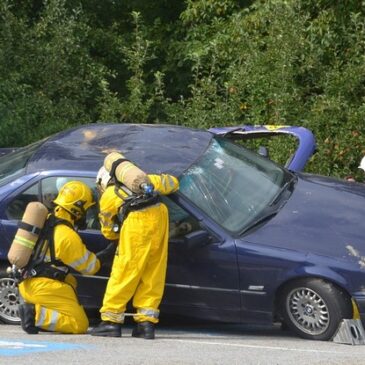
263, 151
197, 239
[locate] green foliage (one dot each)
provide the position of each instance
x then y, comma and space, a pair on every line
199, 63
47, 79
136, 106
282, 62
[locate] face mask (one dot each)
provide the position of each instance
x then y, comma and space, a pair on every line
80, 223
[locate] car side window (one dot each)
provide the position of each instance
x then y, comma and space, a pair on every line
46, 192
180, 221
50, 187
16, 207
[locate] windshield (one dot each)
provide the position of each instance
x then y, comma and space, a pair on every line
12, 165
233, 185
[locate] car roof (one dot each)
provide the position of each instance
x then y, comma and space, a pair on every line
154, 148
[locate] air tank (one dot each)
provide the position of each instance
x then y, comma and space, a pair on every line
26, 237
126, 172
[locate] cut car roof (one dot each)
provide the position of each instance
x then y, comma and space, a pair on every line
154, 148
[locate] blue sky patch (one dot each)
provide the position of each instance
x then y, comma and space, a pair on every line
24, 347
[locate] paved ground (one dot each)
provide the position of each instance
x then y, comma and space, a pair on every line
183, 344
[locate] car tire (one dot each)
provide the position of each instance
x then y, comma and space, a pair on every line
314, 308
9, 298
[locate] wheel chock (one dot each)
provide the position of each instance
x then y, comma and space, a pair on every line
350, 332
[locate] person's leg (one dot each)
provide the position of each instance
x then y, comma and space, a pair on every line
127, 268
151, 287
56, 307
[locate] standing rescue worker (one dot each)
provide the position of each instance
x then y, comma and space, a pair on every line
50, 300
139, 267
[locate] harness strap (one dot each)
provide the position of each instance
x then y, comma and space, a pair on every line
141, 202
29, 228
115, 165
46, 270
132, 204
37, 267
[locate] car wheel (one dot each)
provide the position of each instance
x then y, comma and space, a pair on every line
9, 299
313, 308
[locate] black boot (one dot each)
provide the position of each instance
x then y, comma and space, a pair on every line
144, 330
107, 329
27, 317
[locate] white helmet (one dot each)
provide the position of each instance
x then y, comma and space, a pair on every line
103, 178
362, 164
60, 182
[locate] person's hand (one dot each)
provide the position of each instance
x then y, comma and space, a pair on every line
184, 228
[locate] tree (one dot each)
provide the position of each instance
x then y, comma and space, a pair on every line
48, 80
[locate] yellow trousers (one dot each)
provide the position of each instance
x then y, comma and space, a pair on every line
56, 305
139, 267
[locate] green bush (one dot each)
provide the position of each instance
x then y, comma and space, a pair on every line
48, 81
281, 62
199, 63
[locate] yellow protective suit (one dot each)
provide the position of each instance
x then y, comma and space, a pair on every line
56, 304
139, 267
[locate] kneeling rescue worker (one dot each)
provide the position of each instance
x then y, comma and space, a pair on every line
46, 286
140, 220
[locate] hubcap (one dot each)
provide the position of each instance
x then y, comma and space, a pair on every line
308, 311
9, 300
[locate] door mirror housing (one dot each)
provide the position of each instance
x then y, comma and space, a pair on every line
197, 239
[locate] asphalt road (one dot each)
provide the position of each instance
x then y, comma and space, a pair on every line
184, 344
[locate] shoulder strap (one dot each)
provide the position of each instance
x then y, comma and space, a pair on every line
64, 222
55, 222
46, 240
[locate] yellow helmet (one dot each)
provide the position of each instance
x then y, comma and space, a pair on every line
75, 197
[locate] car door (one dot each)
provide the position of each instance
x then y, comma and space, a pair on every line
202, 275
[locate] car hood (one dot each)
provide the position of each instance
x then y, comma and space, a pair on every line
323, 216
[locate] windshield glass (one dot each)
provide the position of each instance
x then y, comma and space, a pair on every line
12, 165
233, 185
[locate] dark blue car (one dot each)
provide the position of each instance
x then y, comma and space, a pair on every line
250, 241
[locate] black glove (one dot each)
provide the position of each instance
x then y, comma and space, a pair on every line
108, 252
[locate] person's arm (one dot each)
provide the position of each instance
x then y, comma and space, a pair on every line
70, 249
164, 184
109, 206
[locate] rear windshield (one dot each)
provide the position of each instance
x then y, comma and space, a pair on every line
12, 165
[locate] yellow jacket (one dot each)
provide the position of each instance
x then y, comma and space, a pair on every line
70, 249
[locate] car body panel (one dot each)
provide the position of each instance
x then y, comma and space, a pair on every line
192, 285
13, 187
5, 150
316, 213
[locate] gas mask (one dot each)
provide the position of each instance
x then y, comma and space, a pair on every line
80, 223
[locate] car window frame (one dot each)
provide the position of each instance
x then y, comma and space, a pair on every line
306, 142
